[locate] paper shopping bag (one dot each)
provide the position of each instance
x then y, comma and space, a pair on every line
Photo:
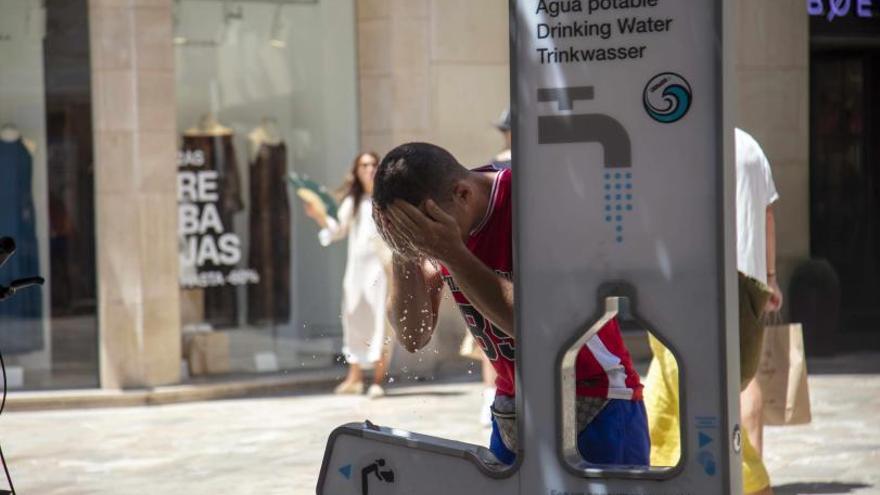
782, 374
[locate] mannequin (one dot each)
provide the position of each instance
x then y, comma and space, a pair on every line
214, 142
208, 125
266, 133
270, 250
21, 317
9, 133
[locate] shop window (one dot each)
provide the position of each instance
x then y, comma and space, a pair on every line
266, 93
49, 335
844, 178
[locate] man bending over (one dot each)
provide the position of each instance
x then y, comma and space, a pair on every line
446, 223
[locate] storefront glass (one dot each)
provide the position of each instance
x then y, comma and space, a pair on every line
845, 163
48, 335
264, 89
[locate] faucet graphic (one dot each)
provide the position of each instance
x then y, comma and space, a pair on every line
583, 128
593, 128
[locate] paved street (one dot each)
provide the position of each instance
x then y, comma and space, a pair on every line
274, 445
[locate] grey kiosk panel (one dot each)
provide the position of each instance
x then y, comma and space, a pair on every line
623, 190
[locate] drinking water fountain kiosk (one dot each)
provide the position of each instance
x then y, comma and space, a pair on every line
623, 204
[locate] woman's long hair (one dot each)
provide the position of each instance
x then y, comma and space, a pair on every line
352, 185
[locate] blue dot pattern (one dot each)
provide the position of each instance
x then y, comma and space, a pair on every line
620, 201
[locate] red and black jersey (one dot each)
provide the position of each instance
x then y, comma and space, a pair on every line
603, 368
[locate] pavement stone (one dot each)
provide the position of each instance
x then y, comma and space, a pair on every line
274, 445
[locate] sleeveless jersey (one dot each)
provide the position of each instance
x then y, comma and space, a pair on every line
603, 367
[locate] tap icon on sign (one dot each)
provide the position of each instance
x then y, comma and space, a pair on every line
583, 128
594, 128
376, 468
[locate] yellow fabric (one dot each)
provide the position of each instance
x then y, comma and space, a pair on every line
661, 402
755, 475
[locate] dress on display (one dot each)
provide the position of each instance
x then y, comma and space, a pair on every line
365, 284
21, 324
269, 254
220, 304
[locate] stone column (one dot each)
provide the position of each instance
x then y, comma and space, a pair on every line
435, 71
773, 81
135, 188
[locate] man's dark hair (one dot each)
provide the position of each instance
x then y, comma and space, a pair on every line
415, 172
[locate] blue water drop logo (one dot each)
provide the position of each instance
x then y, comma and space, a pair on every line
667, 97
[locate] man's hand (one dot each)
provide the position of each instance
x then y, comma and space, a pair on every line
414, 295
775, 302
433, 233
402, 248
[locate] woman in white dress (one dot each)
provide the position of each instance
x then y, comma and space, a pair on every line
365, 285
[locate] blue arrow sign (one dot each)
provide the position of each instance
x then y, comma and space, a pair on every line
704, 439
346, 471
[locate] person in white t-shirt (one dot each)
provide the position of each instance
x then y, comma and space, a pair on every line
756, 252
756, 256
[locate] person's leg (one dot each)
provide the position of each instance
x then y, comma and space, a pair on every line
489, 373
354, 349
378, 348
496, 445
489, 376
602, 441
354, 381
380, 368
637, 448
661, 404
355, 373
751, 407
756, 481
